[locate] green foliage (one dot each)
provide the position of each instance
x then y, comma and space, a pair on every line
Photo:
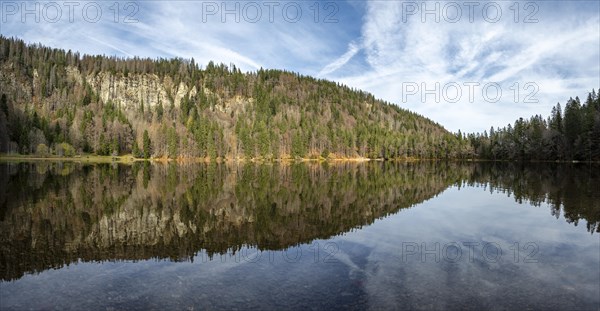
115, 147
572, 122
42, 150
65, 150
147, 145
87, 98
298, 145
172, 142
159, 111
263, 139
141, 108
135, 150
104, 146
4, 104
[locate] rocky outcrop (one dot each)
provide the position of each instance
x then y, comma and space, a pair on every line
131, 90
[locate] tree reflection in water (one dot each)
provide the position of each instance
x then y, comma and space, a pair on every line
54, 214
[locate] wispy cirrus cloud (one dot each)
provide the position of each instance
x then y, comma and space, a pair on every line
557, 54
338, 63
185, 29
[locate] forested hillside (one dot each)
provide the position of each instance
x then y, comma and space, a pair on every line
56, 102
61, 103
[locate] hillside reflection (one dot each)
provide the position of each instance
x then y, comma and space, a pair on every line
53, 214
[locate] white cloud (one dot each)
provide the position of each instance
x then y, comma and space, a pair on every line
338, 63
559, 55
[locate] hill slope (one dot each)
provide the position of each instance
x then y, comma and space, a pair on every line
58, 102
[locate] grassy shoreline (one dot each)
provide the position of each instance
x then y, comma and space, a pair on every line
91, 158
82, 158
128, 159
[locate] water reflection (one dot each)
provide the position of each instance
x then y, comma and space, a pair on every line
308, 235
54, 214
570, 189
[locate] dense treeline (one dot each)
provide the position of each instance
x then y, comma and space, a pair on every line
61, 103
570, 135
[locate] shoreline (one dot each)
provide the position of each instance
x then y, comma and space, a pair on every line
129, 159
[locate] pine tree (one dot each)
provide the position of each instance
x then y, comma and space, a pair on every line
172, 142
115, 149
135, 150
4, 104
147, 145
572, 125
556, 122
262, 135
159, 111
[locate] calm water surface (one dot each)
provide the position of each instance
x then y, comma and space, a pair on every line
304, 236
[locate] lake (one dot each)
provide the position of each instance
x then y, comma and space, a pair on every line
376, 235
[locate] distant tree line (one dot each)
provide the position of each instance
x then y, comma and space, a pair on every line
572, 134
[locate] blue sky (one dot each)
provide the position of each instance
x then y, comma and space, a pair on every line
548, 50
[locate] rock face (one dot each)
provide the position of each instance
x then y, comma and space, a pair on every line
130, 91
10, 83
